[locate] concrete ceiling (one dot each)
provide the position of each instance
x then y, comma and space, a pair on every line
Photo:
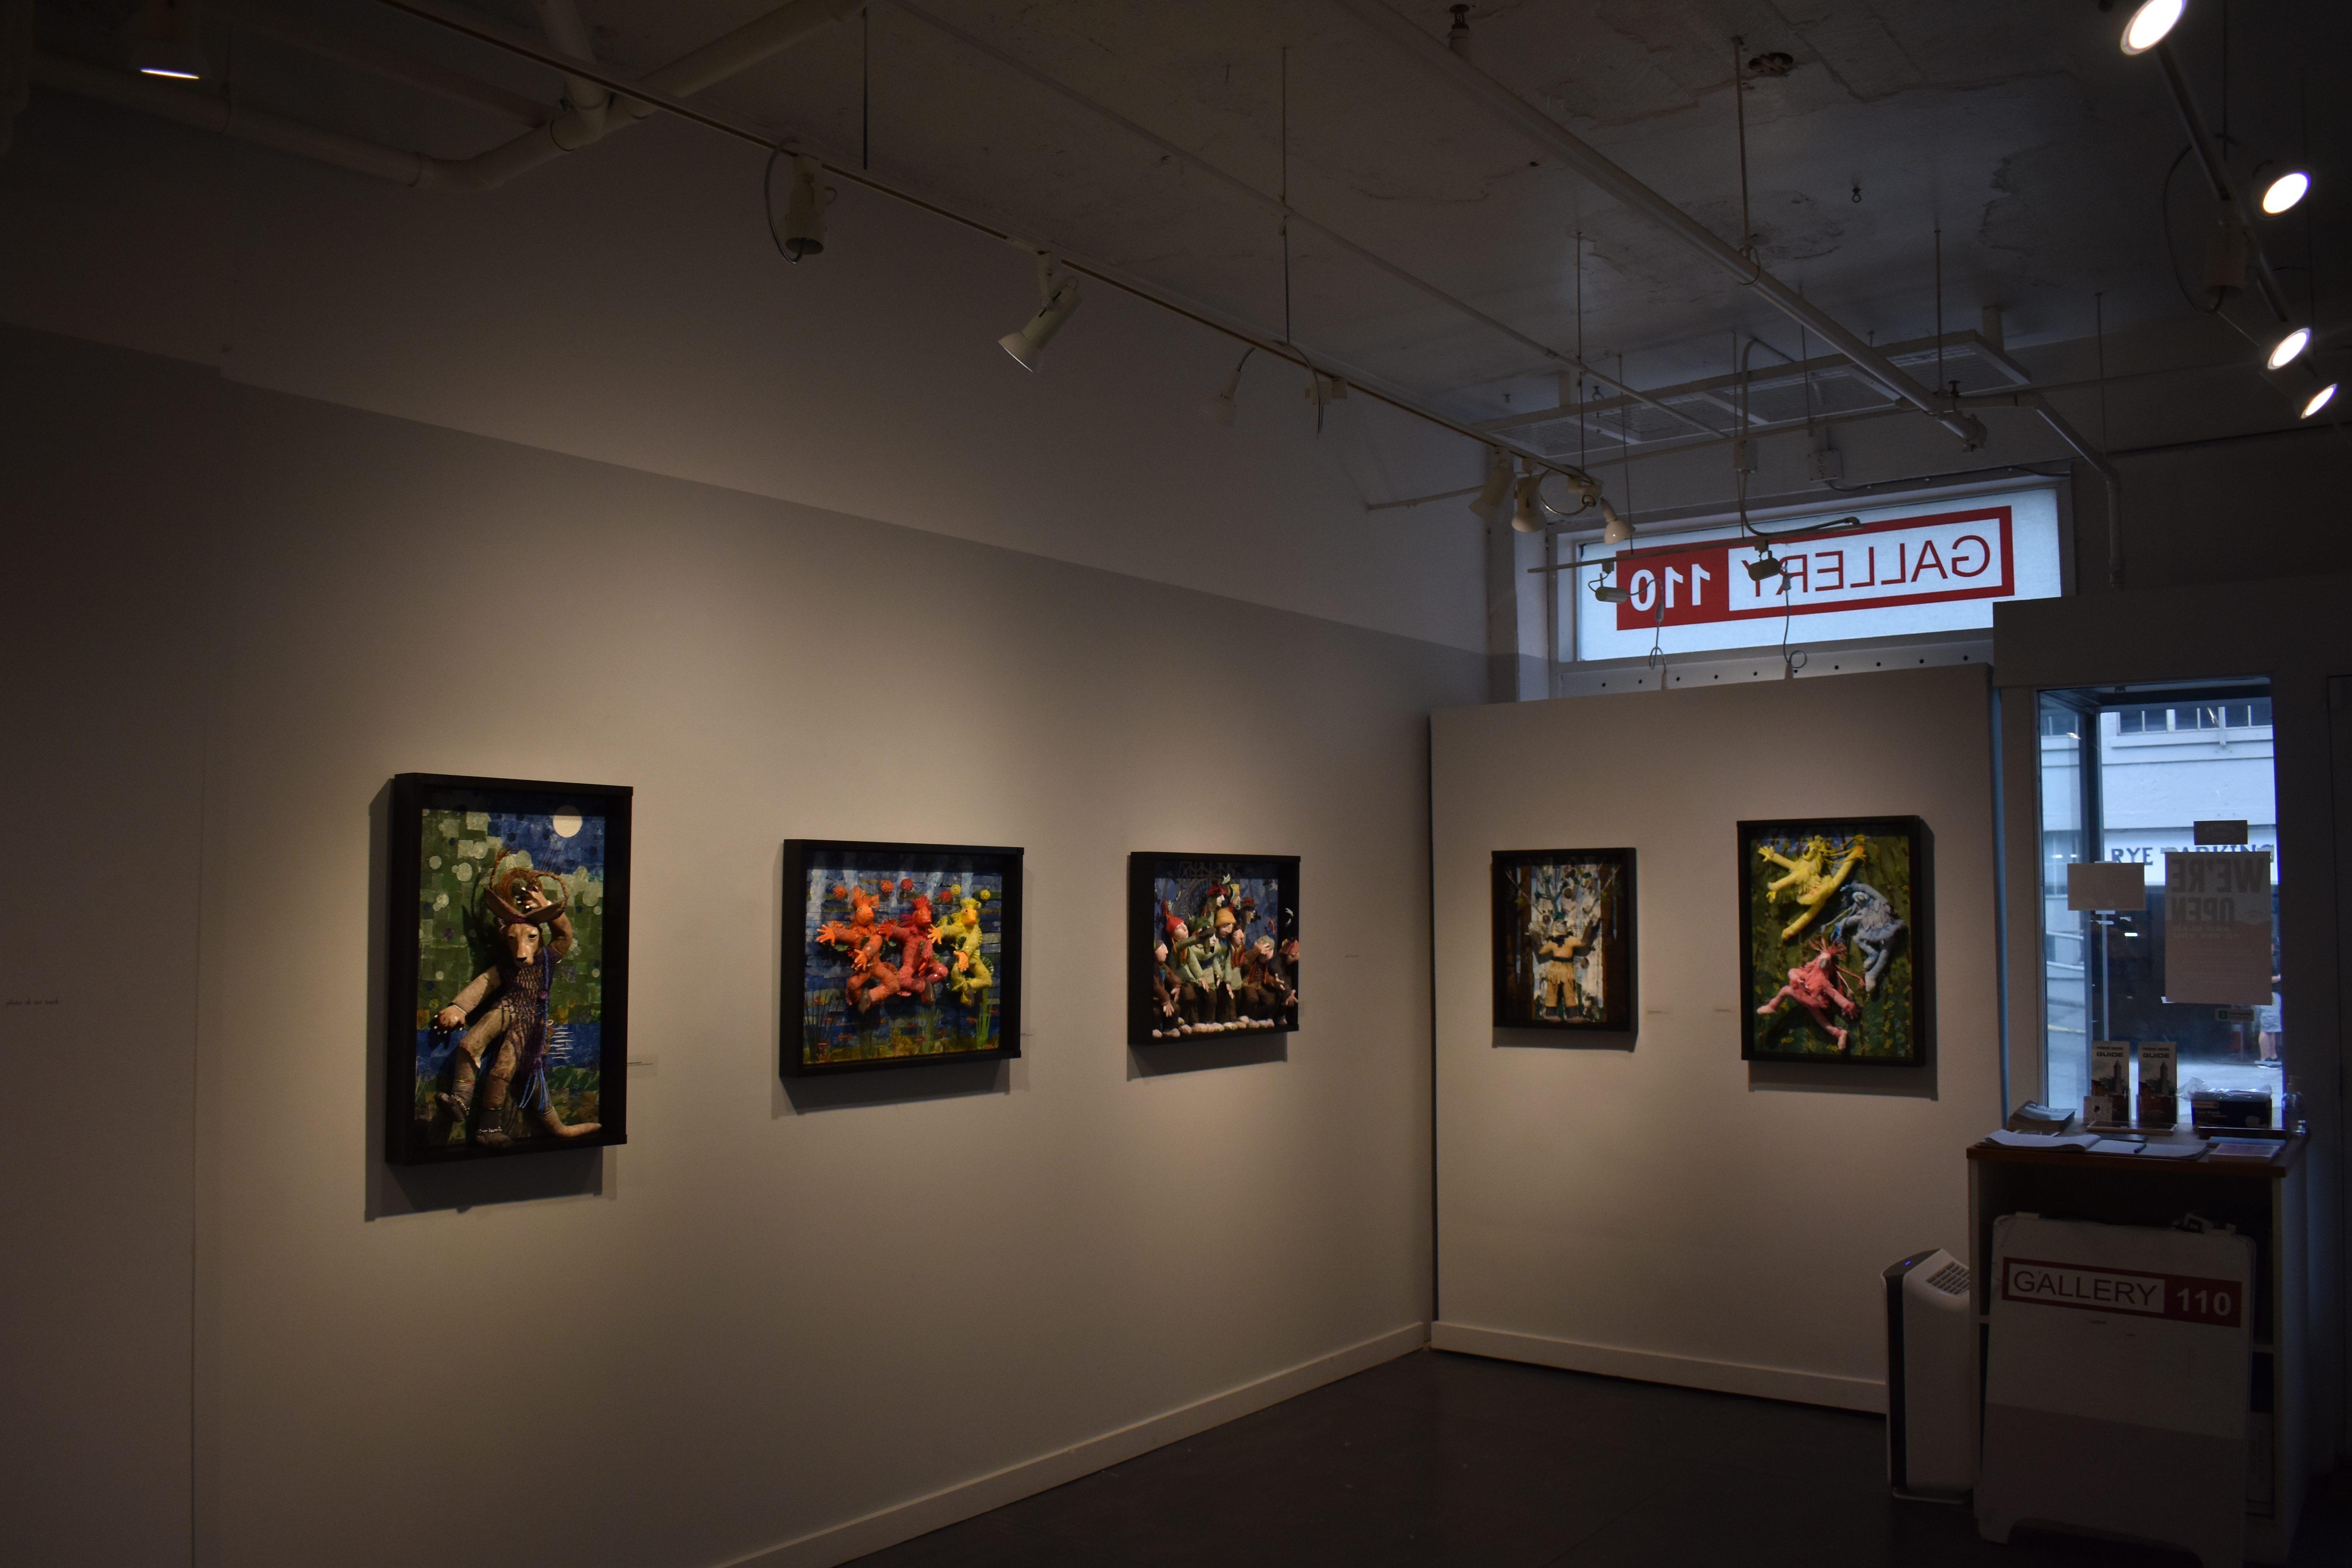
2015, 126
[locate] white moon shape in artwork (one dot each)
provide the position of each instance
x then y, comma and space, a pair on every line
564, 822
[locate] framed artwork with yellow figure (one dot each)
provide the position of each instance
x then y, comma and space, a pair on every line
1835, 950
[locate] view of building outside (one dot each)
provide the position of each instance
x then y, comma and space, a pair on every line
2157, 768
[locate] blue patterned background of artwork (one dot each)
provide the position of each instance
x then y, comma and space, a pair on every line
834, 1029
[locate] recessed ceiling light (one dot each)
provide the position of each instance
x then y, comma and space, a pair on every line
2285, 191
2319, 400
2289, 346
163, 42
2150, 24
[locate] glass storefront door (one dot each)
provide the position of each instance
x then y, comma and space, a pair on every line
2126, 775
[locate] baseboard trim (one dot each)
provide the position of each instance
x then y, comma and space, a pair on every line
842, 1543
1653, 1367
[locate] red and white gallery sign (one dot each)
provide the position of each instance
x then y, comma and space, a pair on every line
1900, 572
2131, 1291
1951, 555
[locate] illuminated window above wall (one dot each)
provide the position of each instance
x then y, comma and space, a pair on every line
1938, 564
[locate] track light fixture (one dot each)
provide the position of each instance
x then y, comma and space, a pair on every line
2150, 23
2285, 190
2289, 347
1058, 301
1488, 503
1527, 517
1219, 410
1615, 530
1765, 566
1606, 592
164, 41
2319, 400
805, 211
1457, 37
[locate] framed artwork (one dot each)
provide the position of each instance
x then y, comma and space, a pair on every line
1834, 942
509, 971
899, 955
1564, 943
1212, 946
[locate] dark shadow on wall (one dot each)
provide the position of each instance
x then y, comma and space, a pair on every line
1835, 1077
894, 1086
1161, 1058
1567, 1039
418, 1189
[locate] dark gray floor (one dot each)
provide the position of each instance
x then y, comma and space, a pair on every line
1439, 1458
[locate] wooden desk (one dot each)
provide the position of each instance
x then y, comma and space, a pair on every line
2263, 1199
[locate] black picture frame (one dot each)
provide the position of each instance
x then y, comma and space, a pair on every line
454, 840
827, 1026
1158, 1010
1888, 978
1534, 986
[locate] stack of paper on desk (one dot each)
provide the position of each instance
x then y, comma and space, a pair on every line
2009, 1140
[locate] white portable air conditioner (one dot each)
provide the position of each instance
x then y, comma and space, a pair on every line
1931, 1377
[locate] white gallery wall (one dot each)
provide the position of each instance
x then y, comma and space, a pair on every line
1662, 1209
627, 304
770, 1315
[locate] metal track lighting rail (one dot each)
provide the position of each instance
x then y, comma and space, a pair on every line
1276, 207
2217, 174
632, 92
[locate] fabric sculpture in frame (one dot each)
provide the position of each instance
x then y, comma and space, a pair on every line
1835, 949
899, 955
1212, 946
508, 973
1564, 939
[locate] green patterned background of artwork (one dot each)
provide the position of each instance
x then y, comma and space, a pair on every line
1886, 1027
461, 853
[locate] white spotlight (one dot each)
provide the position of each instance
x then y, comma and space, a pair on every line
1615, 528
1498, 488
2150, 24
2319, 400
2289, 346
2285, 191
1219, 410
163, 42
1528, 518
805, 210
1029, 342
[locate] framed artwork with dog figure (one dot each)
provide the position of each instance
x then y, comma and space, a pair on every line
1834, 950
508, 971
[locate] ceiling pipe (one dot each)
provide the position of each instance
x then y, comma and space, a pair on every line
714, 61
561, 21
575, 128
211, 112
391, 65
1588, 161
